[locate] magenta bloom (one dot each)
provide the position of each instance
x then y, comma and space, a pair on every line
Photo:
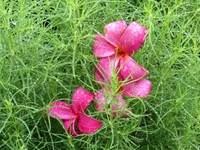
117, 102
74, 114
115, 48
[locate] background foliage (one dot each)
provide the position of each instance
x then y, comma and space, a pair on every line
46, 52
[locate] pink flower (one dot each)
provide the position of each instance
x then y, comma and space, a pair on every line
117, 103
72, 114
115, 47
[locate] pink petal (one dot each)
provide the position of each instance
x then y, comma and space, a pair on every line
102, 48
139, 88
69, 125
131, 69
100, 102
81, 99
114, 30
87, 124
98, 77
120, 104
105, 68
62, 110
133, 38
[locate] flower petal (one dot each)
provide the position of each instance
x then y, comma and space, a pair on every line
69, 125
105, 68
114, 30
118, 104
133, 38
102, 48
87, 124
139, 88
130, 68
62, 110
100, 99
81, 99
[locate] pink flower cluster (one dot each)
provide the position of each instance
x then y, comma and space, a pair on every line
116, 66
72, 114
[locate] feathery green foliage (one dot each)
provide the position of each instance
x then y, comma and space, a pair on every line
46, 52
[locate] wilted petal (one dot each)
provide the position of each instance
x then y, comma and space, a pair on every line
139, 88
102, 48
119, 105
100, 99
87, 124
62, 110
81, 99
98, 77
105, 68
69, 125
114, 30
129, 68
118, 102
133, 37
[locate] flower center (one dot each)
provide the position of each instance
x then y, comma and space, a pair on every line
121, 89
121, 51
120, 84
